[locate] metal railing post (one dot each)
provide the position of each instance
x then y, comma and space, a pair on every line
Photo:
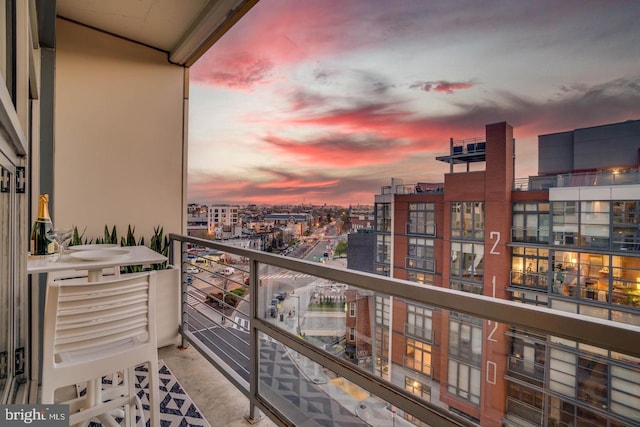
254, 350
184, 317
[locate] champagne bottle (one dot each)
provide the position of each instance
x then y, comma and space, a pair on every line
40, 243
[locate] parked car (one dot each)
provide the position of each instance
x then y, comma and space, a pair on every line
228, 271
193, 269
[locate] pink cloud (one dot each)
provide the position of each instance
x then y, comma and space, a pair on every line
285, 35
238, 71
243, 58
283, 186
388, 136
385, 121
341, 151
441, 86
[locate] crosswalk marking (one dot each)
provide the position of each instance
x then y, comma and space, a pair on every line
240, 323
192, 300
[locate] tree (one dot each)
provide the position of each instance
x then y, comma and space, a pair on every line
341, 248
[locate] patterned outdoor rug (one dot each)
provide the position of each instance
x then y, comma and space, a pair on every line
176, 407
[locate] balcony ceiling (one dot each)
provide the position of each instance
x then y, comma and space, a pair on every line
184, 29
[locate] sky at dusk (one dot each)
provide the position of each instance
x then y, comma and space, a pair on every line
324, 101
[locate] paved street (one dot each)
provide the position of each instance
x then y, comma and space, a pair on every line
301, 388
306, 402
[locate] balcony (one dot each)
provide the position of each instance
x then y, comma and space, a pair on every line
288, 320
418, 188
135, 173
529, 279
581, 179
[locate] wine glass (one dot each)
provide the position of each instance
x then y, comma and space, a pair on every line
61, 237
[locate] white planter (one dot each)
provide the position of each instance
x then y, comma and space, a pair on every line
168, 306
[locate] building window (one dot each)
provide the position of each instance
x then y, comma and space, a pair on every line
422, 219
465, 338
352, 334
421, 254
594, 224
382, 350
527, 358
467, 261
530, 267
352, 309
419, 322
626, 227
625, 401
593, 382
524, 402
383, 253
596, 276
472, 288
382, 334
421, 390
420, 277
382, 310
562, 372
382, 270
597, 224
565, 223
467, 220
464, 381
417, 388
534, 298
530, 222
465, 356
383, 217
418, 356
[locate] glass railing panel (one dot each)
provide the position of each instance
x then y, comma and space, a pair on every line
304, 305
427, 351
311, 394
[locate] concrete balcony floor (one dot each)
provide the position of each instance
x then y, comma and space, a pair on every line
219, 401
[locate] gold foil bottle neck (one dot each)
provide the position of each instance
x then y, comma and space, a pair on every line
43, 206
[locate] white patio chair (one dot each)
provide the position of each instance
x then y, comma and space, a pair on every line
96, 329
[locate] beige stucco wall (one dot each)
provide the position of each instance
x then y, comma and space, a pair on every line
119, 149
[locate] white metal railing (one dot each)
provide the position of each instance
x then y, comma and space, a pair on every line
468, 145
530, 279
601, 333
